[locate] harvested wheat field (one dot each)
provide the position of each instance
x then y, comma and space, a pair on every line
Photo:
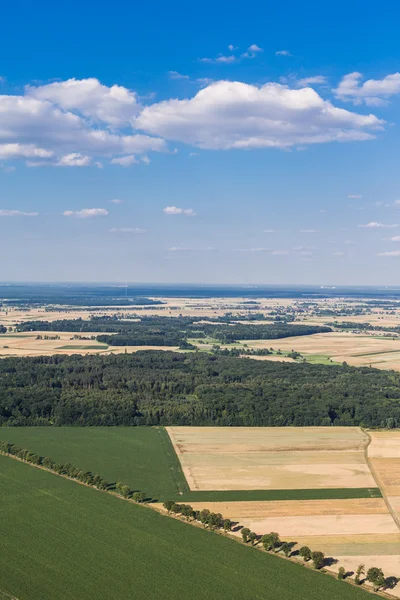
355, 349
262, 458
28, 344
384, 458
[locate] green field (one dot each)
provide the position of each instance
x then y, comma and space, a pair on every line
64, 541
144, 459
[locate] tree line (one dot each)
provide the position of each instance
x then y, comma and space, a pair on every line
170, 331
170, 388
70, 471
271, 542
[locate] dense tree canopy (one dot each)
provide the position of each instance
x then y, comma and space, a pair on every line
161, 388
170, 331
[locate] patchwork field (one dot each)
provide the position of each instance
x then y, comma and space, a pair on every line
255, 458
355, 349
63, 541
27, 344
332, 506
350, 530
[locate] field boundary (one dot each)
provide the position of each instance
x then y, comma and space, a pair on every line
174, 464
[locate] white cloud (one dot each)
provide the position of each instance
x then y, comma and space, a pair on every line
136, 230
375, 225
44, 131
254, 48
394, 253
125, 161
373, 92
355, 196
219, 59
115, 105
396, 238
396, 203
229, 114
338, 254
269, 230
17, 213
176, 75
280, 252
350, 243
15, 150
116, 201
283, 53
232, 48
315, 80
308, 230
175, 210
75, 159
86, 213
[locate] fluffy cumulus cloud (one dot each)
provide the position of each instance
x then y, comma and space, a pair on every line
175, 210
230, 114
115, 105
374, 92
78, 123
86, 213
69, 123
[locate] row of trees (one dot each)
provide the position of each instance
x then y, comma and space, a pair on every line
170, 331
69, 470
271, 542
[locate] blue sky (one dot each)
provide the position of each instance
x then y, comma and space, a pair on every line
221, 144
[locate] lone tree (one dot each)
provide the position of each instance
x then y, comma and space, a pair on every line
271, 541
376, 577
341, 573
318, 559
360, 571
305, 553
245, 534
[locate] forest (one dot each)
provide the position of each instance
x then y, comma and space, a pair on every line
165, 388
170, 331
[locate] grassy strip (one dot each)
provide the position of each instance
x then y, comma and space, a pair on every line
270, 495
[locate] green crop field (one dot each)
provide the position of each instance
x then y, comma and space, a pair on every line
144, 459
63, 541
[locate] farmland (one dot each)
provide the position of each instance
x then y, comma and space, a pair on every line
144, 458
63, 540
272, 458
351, 530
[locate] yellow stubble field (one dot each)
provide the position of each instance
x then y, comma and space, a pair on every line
355, 349
261, 458
353, 531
